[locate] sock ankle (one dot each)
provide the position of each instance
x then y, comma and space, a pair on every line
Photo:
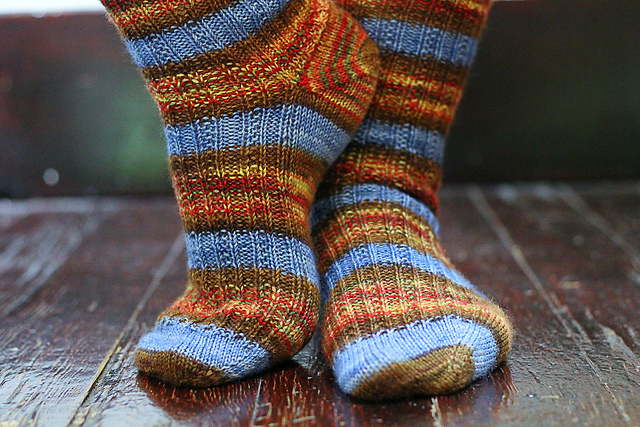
258, 98
400, 320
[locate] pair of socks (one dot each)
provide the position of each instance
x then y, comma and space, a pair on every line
305, 141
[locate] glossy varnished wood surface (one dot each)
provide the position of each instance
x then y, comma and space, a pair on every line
82, 279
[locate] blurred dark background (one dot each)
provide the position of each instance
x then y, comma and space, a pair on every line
554, 94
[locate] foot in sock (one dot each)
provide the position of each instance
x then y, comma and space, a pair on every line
258, 97
399, 319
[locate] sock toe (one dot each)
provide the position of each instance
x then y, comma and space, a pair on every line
441, 371
427, 357
198, 355
178, 369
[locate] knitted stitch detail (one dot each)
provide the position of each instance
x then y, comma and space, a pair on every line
258, 97
400, 320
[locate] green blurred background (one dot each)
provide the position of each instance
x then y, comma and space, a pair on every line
554, 94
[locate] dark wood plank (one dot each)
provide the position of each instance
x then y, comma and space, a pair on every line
537, 382
55, 340
586, 284
34, 247
612, 207
615, 209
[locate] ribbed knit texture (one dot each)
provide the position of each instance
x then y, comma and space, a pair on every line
400, 320
258, 97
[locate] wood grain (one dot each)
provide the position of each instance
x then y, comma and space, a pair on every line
57, 335
81, 280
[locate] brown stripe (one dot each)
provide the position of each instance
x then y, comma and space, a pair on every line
373, 222
277, 310
465, 17
424, 89
123, 5
120, 5
178, 369
391, 296
251, 188
279, 160
138, 19
421, 68
444, 370
417, 91
417, 176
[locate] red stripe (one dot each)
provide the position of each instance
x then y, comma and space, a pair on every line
221, 304
347, 231
378, 165
214, 193
365, 305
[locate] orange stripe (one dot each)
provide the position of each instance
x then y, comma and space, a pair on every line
276, 310
377, 298
374, 222
141, 19
250, 188
373, 164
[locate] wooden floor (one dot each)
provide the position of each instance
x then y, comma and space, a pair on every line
82, 279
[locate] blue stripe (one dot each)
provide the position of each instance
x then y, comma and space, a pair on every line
287, 125
421, 40
365, 357
371, 193
388, 254
423, 142
222, 349
237, 249
214, 32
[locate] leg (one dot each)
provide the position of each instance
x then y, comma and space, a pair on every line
258, 97
399, 319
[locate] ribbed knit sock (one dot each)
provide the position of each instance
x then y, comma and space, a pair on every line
258, 97
399, 319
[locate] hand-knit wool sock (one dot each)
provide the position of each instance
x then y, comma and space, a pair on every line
258, 97
399, 319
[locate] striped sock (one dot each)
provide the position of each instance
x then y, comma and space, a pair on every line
399, 319
258, 97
